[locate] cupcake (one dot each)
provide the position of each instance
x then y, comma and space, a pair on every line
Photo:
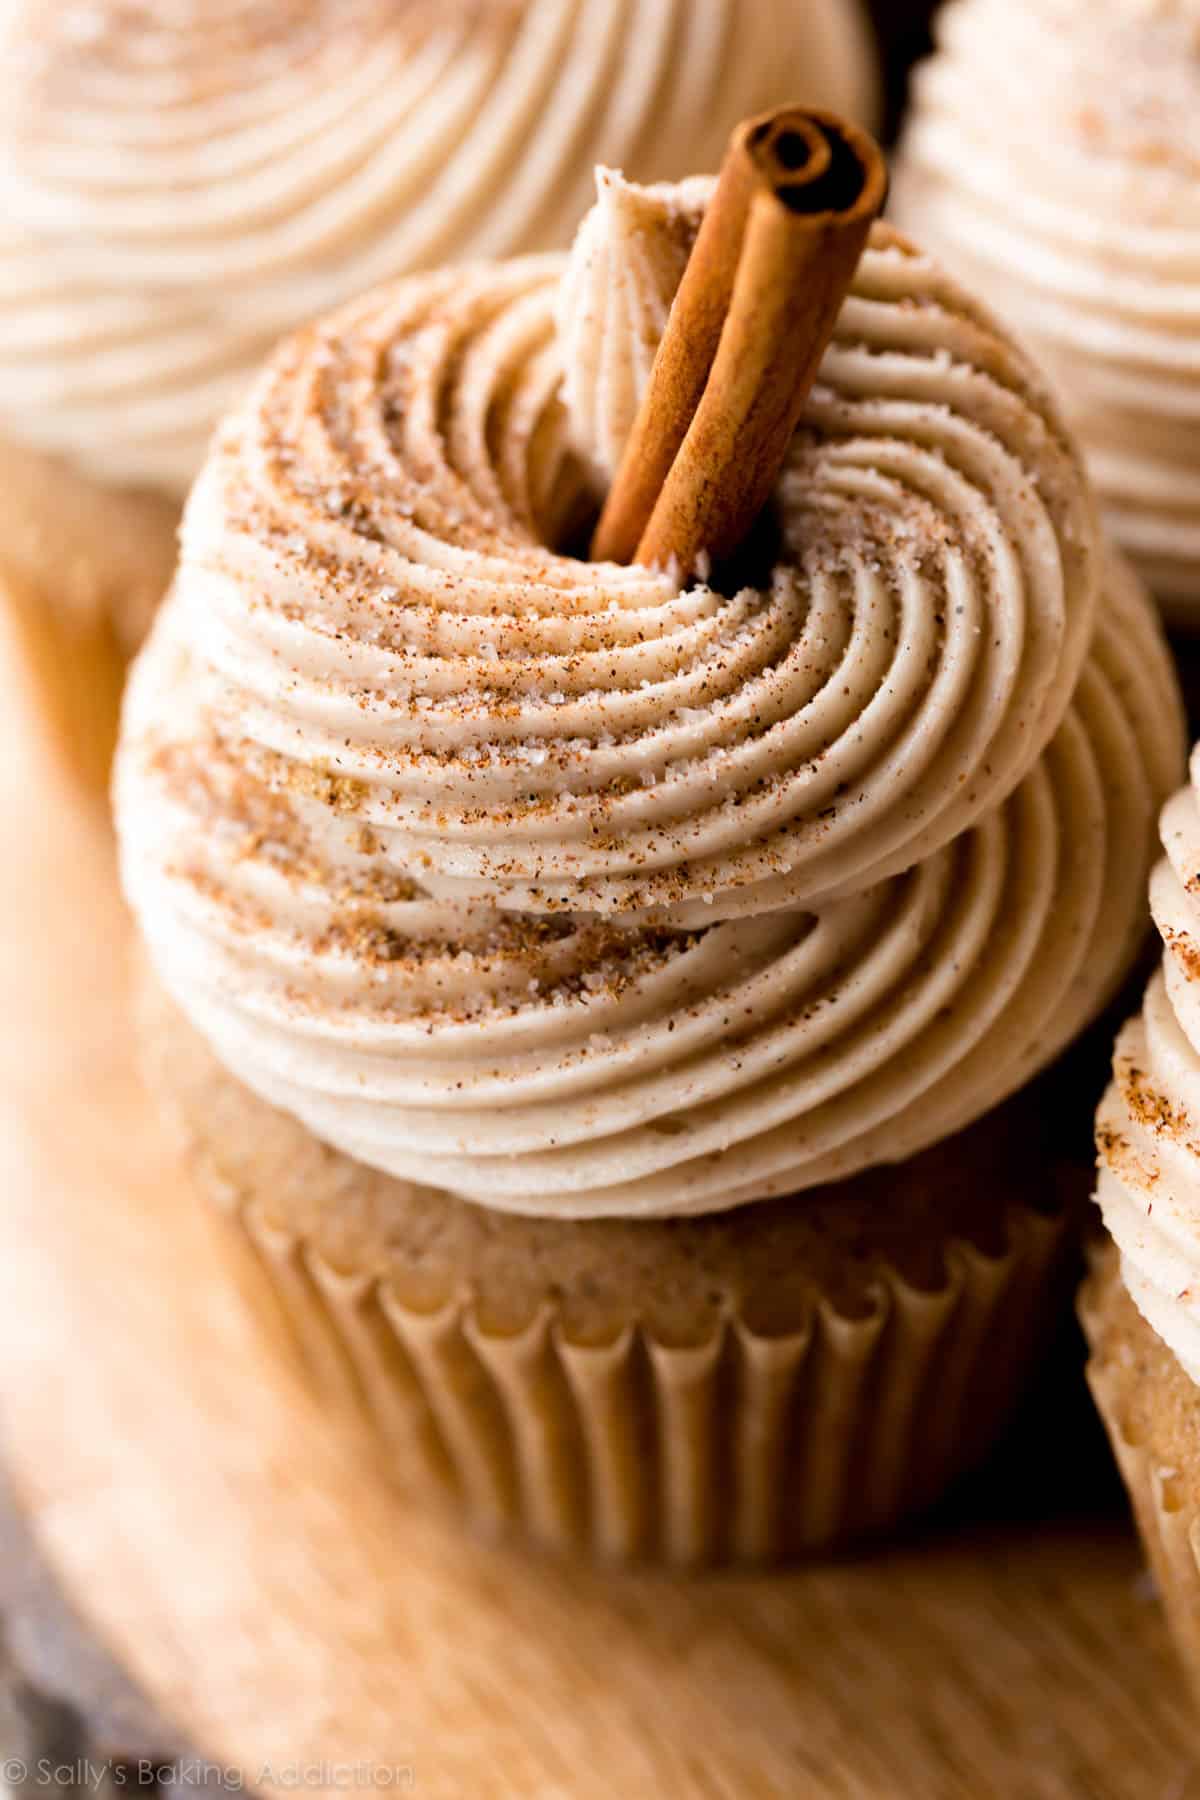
180, 185
1068, 195
598, 993
1149, 1404
1141, 1308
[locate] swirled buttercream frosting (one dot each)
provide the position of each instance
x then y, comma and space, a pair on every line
573, 890
182, 182
1148, 1128
1070, 197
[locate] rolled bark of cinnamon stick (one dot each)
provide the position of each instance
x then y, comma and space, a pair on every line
774, 257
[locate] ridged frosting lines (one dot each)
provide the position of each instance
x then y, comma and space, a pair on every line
1079, 216
1148, 1129
521, 726
181, 183
561, 1063
571, 891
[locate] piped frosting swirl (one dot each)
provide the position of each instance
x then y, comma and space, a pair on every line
573, 892
182, 182
1070, 198
1148, 1128
549, 734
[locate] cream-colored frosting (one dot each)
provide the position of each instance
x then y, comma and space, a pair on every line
550, 734
626, 263
568, 1065
1148, 1128
1149, 1180
182, 182
573, 892
1053, 159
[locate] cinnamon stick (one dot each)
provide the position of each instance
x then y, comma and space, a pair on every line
773, 260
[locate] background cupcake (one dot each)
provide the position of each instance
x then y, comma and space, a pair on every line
1068, 195
555, 917
181, 184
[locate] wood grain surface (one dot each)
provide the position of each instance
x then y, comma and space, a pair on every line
303, 1627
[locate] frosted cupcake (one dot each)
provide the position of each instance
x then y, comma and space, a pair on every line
181, 184
1052, 157
584, 984
1142, 1305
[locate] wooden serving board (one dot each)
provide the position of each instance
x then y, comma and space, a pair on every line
303, 1627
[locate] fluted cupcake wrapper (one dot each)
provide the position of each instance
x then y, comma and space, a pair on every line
1168, 1516
739, 1447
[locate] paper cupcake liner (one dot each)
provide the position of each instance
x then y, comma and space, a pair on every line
1167, 1514
740, 1447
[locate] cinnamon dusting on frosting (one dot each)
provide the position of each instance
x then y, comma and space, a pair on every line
713, 895
181, 183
